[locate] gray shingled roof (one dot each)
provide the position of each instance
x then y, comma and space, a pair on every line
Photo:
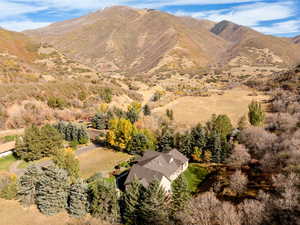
155, 165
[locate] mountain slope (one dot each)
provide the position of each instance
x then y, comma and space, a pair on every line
121, 38
251, 47
297, 39
18, 44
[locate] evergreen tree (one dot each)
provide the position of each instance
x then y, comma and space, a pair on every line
52, 190
147, 110
216, 148
256, 114
184, 143
153, 209
27, 185
131, 200
199, 138
165, 141
38, 143
78, 199
101, 120
180, 194
104, 201
73, 132
170, 114
138, 144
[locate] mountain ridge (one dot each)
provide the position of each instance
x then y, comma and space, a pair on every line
141, 41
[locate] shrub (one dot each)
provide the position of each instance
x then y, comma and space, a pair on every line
256, 114
238, 182
57, 103
106, 95
8, 186
66, 159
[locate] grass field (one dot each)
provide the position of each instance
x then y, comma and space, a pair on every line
100, 160
12, 213
194, 175
6, 162
188, 111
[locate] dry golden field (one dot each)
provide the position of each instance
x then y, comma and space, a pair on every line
12, 213
100, 160
188, 111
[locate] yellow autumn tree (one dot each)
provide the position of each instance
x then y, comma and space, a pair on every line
66, 159
120, 133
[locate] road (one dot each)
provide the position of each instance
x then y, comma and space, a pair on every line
19, 171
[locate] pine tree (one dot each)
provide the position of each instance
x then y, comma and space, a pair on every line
216, 148
138, 144
104, 201
147, 110
78, 199
27, 185
165, 141
256, 114
153, 209
131, 200
38, 143
52, 190
180, 194
184, 143
198, 137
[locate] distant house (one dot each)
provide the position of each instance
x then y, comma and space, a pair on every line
7, 148
164, 167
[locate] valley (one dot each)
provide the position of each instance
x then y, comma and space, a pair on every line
138, 116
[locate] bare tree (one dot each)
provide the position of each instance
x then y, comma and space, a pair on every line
258, 141
238, 182
206, 209
251, 212
239, 156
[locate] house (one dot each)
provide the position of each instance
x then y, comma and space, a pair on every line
164, 167
7, 148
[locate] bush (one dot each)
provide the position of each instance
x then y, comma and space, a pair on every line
57, 103
256, 114
8, 186
106, 95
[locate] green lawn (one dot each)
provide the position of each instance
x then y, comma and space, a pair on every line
194, 175
6, 161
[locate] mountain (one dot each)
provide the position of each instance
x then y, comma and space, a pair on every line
136, 41
253, 48
18, 44
121, 38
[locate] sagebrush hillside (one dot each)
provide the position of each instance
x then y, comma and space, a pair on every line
135, 41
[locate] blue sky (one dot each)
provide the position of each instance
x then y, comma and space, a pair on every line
276, 17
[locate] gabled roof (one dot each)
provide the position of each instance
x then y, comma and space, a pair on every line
156, 165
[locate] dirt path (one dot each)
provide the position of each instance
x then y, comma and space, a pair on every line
20, 171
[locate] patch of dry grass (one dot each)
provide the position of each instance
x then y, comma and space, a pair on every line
12, 213
189, 111
100, 160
